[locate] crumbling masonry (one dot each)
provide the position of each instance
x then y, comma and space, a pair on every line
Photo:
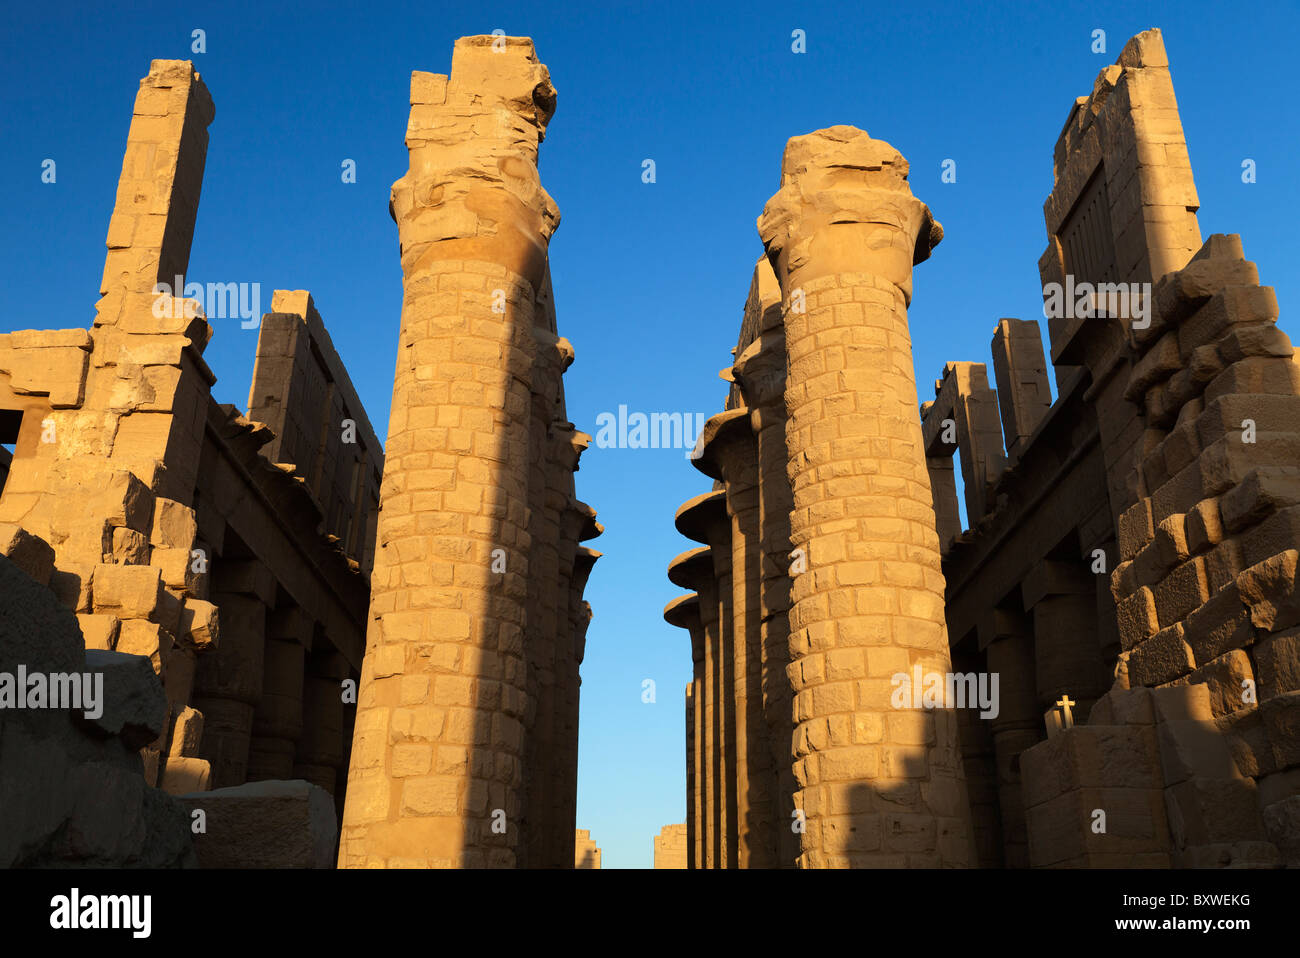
1128, 570
228, 554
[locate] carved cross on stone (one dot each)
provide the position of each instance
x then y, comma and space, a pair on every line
1059, 717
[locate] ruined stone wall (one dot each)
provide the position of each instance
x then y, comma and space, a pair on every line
1137, 533
586, 854
465, 748
1129, 553
671, 847
152, 515
302, 392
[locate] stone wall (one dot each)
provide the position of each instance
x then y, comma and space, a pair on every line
154, 516
1140, 533
671, 847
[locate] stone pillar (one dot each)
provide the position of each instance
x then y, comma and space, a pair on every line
684, 612
437, 758
548, 495
577, 523
693, 569
729, 454
704, 519
319, 756
580, 619
228, 683
1024, 395
878, 786
759, 371
943, 490
1062, 599
278, 718
1018, 725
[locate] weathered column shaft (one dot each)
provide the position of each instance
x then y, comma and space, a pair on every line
228, 686
729, 453
760, 372
879, 786
436, 768
712, 765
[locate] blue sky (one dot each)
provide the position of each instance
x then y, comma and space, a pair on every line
649, 278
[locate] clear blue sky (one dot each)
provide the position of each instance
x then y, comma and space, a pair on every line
649, 279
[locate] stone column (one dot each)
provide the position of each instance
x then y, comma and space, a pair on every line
729, 453
879, 786
578, 523
320, 751
1020, 369
694, 570
278, 718
228, 683
436, 761
580, 619
704, 519
1018, 725
759, 371
1061, 597
548, 497
684, 612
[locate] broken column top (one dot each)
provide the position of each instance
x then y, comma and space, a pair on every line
473, 189
843, 195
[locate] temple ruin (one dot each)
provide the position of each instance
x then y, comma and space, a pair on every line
330, 652
1127, 570
256, 565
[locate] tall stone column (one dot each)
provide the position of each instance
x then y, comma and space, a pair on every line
1018, 725
278, 718
436, 767
578, 524
879, 786
228, 686
694, 570
704, 519
759, 371
684, 612
549, 494
321, 747
729, 454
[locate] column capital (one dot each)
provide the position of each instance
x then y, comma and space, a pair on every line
760, 373
726, 444
473, 191
845, 207
698, 516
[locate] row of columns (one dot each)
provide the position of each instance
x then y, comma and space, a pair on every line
271, 692
823, 577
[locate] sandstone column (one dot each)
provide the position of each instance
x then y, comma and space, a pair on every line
436, 764
878, 786
729, 453
694, 570
704, 519
684, 612
759, 371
